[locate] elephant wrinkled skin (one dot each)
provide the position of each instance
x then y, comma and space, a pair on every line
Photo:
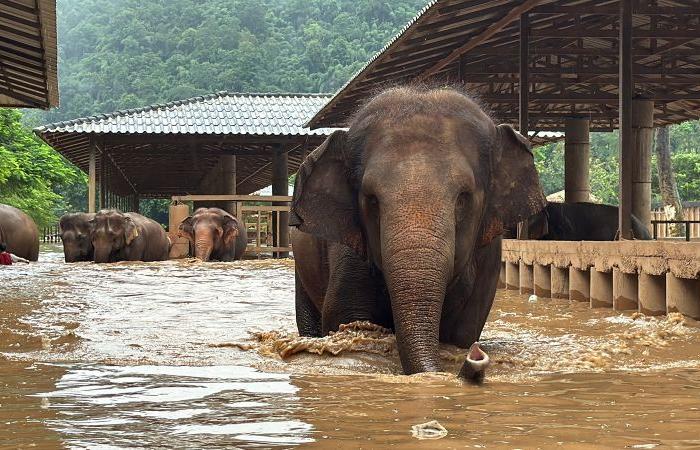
118, 236
399, 220
215, 234
74, 229
19, 232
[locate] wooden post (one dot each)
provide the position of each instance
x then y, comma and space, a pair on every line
524, 101
103, 181
577, 186
626, 147
228, 180
280, 183
92, 178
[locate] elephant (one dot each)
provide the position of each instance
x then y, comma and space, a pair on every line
74, 229
399, 221
580, 221
118, 236
215, 234
19, 232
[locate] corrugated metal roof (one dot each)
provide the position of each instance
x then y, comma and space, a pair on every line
223, 113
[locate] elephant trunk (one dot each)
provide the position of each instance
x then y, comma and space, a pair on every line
418, 258
102, 254
203, 245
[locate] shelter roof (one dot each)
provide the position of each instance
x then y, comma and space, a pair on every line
28, 63
572, 64
168, 149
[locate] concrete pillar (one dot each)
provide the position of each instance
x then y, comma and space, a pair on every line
579, 285
502, 276
280, 186
512, 276
643, 138
542, 281
652, 294
228, 181
577, 186
526, 279
180, 247
559, 282
683, 296
103, 181
601, 289
625, 293
92, 179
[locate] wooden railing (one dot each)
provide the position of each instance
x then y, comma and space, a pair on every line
50, 234
664, 226
261, 220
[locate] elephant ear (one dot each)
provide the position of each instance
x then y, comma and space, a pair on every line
186, 228
131, 232
516, 190
324, 203
230, 229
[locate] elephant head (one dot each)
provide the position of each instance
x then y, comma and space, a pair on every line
421, 179
210, 230
75, 234
111, 231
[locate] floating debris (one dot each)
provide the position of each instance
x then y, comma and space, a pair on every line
428, 430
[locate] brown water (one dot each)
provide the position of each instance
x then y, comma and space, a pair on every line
183, 354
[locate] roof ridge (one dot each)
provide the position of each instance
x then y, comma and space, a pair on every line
175, 103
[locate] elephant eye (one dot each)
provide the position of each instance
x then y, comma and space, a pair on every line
372, 201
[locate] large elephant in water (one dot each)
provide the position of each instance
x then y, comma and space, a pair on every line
581, 221
401, 217
74, 229
118, 236
19, 232
215, 234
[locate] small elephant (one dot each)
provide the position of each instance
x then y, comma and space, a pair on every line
400, 219
215, 234
118, 236
581, 221
19, 232
74, 229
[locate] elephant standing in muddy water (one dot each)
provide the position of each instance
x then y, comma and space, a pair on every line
400, 218
118, 236
580, 221
19, 232
215, 234
74, 229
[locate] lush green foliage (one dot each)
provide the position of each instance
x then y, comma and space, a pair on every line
31, 173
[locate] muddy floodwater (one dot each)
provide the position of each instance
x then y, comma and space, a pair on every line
184, 354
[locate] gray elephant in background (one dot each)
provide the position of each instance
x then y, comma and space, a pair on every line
118, 236
19, 232
215, 234
581, 221
400, 221
74, 229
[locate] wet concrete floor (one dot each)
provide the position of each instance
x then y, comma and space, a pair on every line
183, 354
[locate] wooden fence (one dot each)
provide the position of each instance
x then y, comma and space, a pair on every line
664, 231
50, 234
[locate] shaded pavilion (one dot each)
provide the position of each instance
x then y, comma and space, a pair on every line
587, 65
224, 143
28, 64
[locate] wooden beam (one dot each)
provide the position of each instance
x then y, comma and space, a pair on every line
481, 38
524, 83
626, 150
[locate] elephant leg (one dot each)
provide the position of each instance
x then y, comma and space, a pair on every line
354, 293
466, 306
308, 316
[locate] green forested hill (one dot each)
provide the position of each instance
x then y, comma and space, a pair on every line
127, 53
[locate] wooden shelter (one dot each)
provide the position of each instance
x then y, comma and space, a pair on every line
28, 64
587, 65
224, 143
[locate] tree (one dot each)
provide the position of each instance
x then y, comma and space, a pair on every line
667, 180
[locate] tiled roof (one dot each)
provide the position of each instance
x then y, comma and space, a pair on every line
222, 113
